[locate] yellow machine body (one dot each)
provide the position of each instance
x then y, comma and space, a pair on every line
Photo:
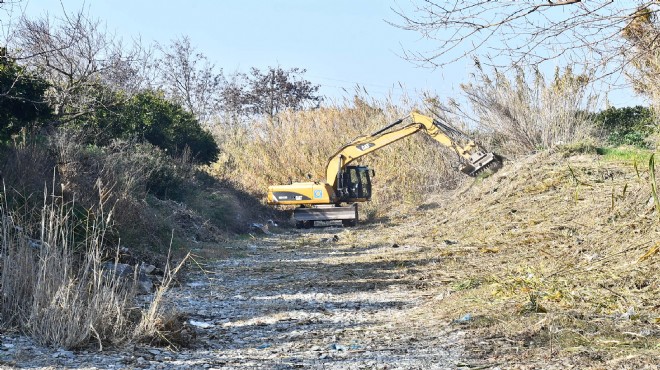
299, 193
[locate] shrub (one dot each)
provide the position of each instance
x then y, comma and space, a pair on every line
21, 98
27, 167
627, 125
125, 168
122, 175
148, 117
137, 169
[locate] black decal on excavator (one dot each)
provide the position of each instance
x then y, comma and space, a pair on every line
289, 195
365, 146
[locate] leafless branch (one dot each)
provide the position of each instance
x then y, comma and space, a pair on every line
189, 78
503, 33
81, 60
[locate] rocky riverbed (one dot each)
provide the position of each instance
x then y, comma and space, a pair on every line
318, 298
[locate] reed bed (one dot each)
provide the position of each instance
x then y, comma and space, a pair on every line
297, 146
60, 285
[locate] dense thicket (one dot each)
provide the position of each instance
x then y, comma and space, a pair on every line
148, 117
22, 103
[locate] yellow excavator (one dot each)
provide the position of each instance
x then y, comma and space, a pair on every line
346, 186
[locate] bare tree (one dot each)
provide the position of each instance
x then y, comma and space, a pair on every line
189, 79
278, 89
233, 98
268, 93
9, 14
84, 64
502, 33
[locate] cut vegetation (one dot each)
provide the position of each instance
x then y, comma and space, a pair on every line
554, 259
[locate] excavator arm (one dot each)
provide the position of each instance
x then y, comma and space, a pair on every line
475, 160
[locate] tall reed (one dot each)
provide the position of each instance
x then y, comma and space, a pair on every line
297, 144
52, 281
528, 112
60, 286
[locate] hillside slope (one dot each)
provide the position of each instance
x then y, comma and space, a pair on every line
552, 258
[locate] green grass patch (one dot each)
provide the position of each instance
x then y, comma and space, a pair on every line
466, 284
626, 154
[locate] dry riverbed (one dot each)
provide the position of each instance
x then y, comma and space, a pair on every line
308, 299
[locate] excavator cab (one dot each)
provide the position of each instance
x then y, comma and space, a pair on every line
354, 184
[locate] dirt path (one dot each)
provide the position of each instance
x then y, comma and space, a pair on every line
312, 299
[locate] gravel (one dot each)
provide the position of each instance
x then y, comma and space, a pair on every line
286, 301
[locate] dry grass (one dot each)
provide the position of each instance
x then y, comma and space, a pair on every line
554, 257
527, 113
159, 326
53, 283
56, 285
300, 143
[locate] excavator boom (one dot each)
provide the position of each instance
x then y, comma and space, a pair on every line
474, 159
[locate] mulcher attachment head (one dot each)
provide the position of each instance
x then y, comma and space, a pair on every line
480, 162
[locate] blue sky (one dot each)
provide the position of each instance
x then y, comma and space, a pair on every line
341, 43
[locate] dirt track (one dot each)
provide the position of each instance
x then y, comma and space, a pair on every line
311, 300
321, 298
